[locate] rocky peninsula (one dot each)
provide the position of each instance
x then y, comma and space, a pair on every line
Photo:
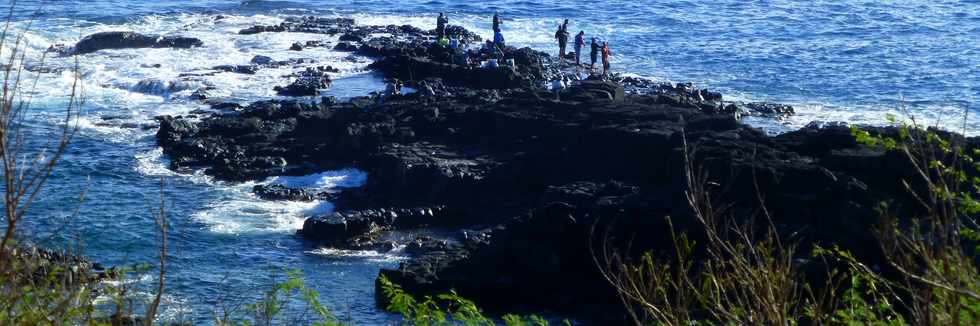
519, 182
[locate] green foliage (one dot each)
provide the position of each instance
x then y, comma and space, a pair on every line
865, 301
445, 309
752, 280
935, 253
271, 309
865, 138
35, 291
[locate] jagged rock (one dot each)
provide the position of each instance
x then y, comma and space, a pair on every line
261, 60
770, 109
345, 47
409, 68
352, 37
280, 192
226, 106
592, 90
202, 93
240, 69
425, 244
305, 86
353, 227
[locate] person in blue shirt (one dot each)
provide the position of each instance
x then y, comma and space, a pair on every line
579, 43
498, 39
454, 42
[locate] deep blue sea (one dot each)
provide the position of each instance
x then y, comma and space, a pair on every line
845, 60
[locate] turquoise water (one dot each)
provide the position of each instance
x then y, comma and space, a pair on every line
844, 60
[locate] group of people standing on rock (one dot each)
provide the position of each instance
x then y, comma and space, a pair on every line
493, 49
597, 48
497, 46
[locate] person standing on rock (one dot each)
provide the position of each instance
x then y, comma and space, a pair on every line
605, 58
496, 21
595, 54
498, 39
562, 36
579, 43
441, 23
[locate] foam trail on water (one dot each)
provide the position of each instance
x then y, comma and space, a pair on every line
235, 210
347, 178
392, 256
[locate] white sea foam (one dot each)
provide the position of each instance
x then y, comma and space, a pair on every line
152, 163
394, 255
347, 178
140, 292
235, 210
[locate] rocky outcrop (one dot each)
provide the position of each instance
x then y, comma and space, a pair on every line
525, 179
66, 268
132, 40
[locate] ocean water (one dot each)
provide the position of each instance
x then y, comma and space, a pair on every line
845, 60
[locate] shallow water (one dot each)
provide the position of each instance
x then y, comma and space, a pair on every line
846, 60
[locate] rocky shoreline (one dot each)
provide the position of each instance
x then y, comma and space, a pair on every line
524, 180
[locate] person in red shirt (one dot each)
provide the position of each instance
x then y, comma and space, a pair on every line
605, 58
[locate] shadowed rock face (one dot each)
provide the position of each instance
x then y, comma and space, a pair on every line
526, 180
131, 40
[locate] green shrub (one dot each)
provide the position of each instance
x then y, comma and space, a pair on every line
750, 279
445, 309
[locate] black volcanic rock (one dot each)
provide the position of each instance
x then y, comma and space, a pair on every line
304, 86
345, 47
491, 150
238, 69
130, 40
304, 25
407, 67
280, 192
353, 228
308, 82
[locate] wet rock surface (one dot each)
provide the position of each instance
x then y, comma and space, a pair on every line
527, 179
280, 192
305, 85
130, 40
